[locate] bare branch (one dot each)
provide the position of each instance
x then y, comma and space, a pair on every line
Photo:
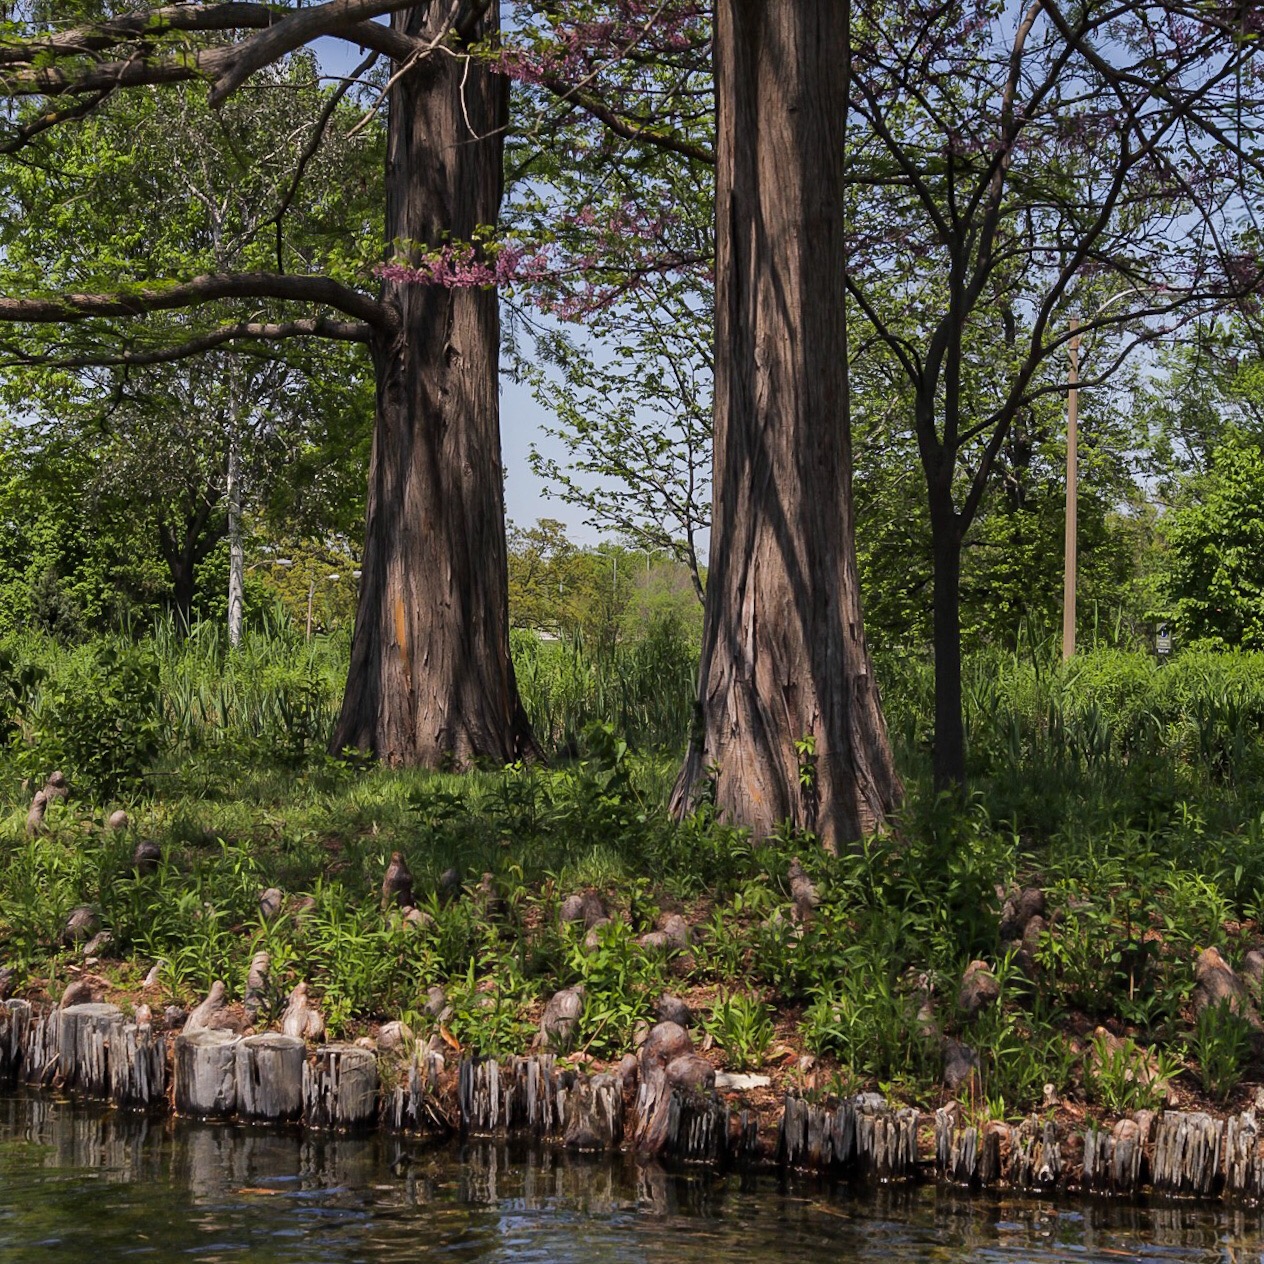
309, 149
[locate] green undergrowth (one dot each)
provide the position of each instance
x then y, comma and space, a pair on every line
1125, 789
897, 921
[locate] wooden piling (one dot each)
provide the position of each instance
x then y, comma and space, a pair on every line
340, 1088
15, 1019
83, 1048
137, 1065
269, 1071
206, 1073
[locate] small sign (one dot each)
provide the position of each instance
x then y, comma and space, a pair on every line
1163, 640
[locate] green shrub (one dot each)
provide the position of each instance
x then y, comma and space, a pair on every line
98, 718
621, 983
1124, 1076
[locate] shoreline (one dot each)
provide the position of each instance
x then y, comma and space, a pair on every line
93, 1052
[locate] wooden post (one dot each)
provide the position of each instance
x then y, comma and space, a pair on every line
1072, 496
340, 1088
206, 1072
270, 1076
137, 1065
83, 1047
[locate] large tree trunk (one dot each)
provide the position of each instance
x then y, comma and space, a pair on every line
431, 681
789, 711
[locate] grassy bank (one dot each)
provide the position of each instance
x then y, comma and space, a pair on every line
1124, 790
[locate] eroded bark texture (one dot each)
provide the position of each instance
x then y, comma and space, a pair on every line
784, 658
431, 680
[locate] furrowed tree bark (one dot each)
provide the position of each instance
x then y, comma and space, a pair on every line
431, 681
784, 658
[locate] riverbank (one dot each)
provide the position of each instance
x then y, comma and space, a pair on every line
986, 984
660, 1105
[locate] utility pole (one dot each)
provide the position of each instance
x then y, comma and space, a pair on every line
1072, 496
236, 554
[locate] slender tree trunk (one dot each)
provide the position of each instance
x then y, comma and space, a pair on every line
236, 555
197, 536
789, 712
949, 759
431, 681
183, 590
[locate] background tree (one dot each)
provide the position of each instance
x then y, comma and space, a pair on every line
195, 443
1006, 174
631, 405
1215, 563
74, 557
615, 336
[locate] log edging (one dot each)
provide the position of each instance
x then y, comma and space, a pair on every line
95, 1052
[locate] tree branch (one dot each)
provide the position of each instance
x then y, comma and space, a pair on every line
27, 132
25, 68
591, 104
310, 148
140, 299
318, 327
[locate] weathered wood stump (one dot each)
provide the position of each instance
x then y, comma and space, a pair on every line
15, 1018
594, 1114
1027, 1155
1113, 1160
1186, 1153
863, 1133
886, 1139
702, 1133
83, 1047
270, 1077
544, 1095
137, 1065
956, 1149
485, 1097
206, 1073
413, 1104
1035, 1158
340, 1087
39, 1052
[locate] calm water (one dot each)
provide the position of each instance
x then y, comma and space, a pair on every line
80, 1186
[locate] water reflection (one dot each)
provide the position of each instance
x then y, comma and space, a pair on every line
90, 1187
